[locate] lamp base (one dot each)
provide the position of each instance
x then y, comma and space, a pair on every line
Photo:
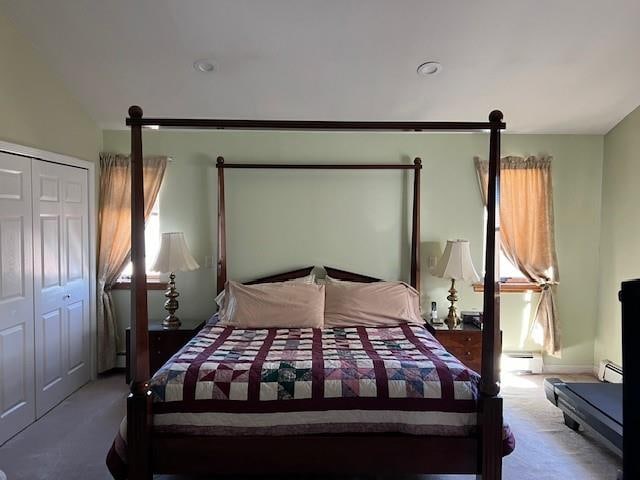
171, 305
171, 321
452, 320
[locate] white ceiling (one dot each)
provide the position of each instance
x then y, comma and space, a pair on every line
559, 66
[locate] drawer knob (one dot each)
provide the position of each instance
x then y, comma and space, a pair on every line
468, 354
468, 339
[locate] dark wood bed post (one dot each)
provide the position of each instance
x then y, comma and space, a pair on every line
490, 413
415, 227
139, 399
221, 269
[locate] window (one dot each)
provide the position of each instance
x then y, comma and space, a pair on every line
512, 279
151, 247
508, 270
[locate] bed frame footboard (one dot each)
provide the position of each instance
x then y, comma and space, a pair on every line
376, 454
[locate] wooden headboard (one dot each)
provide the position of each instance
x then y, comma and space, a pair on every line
349, 276
303, 272
282, 277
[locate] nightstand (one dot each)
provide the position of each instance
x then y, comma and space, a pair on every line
163, 343
465, 342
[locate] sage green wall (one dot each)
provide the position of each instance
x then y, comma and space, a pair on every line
359, 221
619, 251
36, 110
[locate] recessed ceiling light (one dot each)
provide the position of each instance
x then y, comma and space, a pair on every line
204, 66
429, 68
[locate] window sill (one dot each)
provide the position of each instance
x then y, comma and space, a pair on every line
515, 285
151, 285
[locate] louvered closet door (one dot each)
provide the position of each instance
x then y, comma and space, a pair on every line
61, 281
17, 401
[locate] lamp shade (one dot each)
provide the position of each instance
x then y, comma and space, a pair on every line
174, 255
456, 263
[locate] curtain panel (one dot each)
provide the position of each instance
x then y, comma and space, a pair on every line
527, 234
114, 237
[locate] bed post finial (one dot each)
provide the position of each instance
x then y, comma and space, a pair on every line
417, 162
220, 161
135, 111
496, 116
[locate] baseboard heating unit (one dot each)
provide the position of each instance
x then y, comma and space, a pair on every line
522, 362
610, 372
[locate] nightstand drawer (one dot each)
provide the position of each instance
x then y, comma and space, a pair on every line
471, 357
163, 343
459, 338
168, 344
162, 347
465, 345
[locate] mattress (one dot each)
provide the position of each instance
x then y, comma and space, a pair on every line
400, 379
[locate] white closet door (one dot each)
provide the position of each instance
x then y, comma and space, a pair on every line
17, 400
61, 281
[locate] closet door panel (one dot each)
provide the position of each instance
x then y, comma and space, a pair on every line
50, 239
51, 327
14, 387
75, 328
17, 394
76, 274
62, 286
48, 285
12, 259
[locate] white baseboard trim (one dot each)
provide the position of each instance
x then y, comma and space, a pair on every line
569, 369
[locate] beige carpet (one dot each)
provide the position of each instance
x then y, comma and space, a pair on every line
72, 440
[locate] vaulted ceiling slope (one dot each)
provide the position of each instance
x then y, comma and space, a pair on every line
569, 66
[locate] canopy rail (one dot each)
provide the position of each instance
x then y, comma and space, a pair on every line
231, 124
322, 166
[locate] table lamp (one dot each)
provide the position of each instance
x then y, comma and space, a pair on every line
174, 256
455, 264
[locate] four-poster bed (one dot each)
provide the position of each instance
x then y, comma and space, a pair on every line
150, 453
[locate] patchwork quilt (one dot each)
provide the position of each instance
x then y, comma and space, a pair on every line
228, 381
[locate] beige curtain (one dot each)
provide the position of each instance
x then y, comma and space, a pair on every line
114, 237
527, 234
